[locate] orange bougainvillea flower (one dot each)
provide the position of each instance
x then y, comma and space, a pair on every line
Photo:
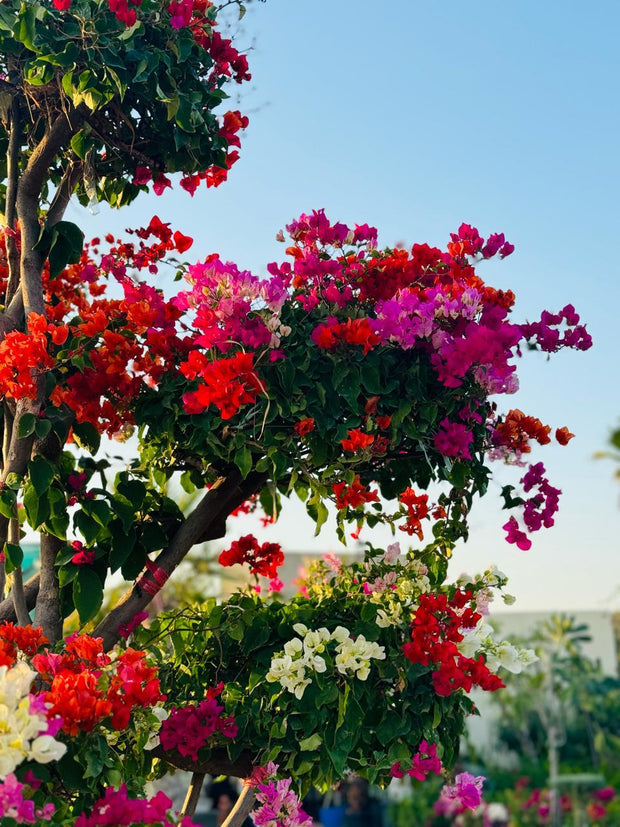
563, 435
356, 441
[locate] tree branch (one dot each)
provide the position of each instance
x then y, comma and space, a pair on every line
7, 607
193, 794
243, 807
64, 192
28, 202
218, 764
206, 522
47, 609
12, 163
17, 589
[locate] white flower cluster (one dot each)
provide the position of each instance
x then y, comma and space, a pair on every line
497, 654
491, 579
304, 654
21, 722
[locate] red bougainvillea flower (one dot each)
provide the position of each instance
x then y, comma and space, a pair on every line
226, 383
417, 510
304, 426
353, 495
435, 632
263, 559
356, 441
14, 639
353, 332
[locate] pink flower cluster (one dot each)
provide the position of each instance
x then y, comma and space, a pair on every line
546, 333
116, 809
464, 794
226, 301
467, 241
14, 805
423, 762
189, 728
538, 510
280, 806
453, 439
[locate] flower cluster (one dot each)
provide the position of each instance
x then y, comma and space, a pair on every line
190, 728
279, 805
28, 726
423, 762
16, 803
311, 651
464, 794
497, 654
117, 809
538, 509
83, 686
227, 383
436, 631
546, 332
263, 559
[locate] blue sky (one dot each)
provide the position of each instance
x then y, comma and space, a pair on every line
414, 117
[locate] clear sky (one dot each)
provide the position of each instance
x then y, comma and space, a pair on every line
414, 116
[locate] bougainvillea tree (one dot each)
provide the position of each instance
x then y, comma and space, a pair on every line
348, 374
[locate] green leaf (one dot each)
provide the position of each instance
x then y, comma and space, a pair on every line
42, 428
87, 593
37, 506
243, 460
7, 503
311, 743
86, 525
14, 557
87, 436
123, 542
153, 537
14, 481
343, 699
26, 28
7, 18
26, 425
41, 473
132, 490
78, 144
66, 574
66, 248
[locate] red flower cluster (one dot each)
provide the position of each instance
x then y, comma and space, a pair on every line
25, 356
353, 332
189, 728
353, 495
304, 426
226, 383
263, 559
435, 632
14, 639
356, 441
417, 510
83, 685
